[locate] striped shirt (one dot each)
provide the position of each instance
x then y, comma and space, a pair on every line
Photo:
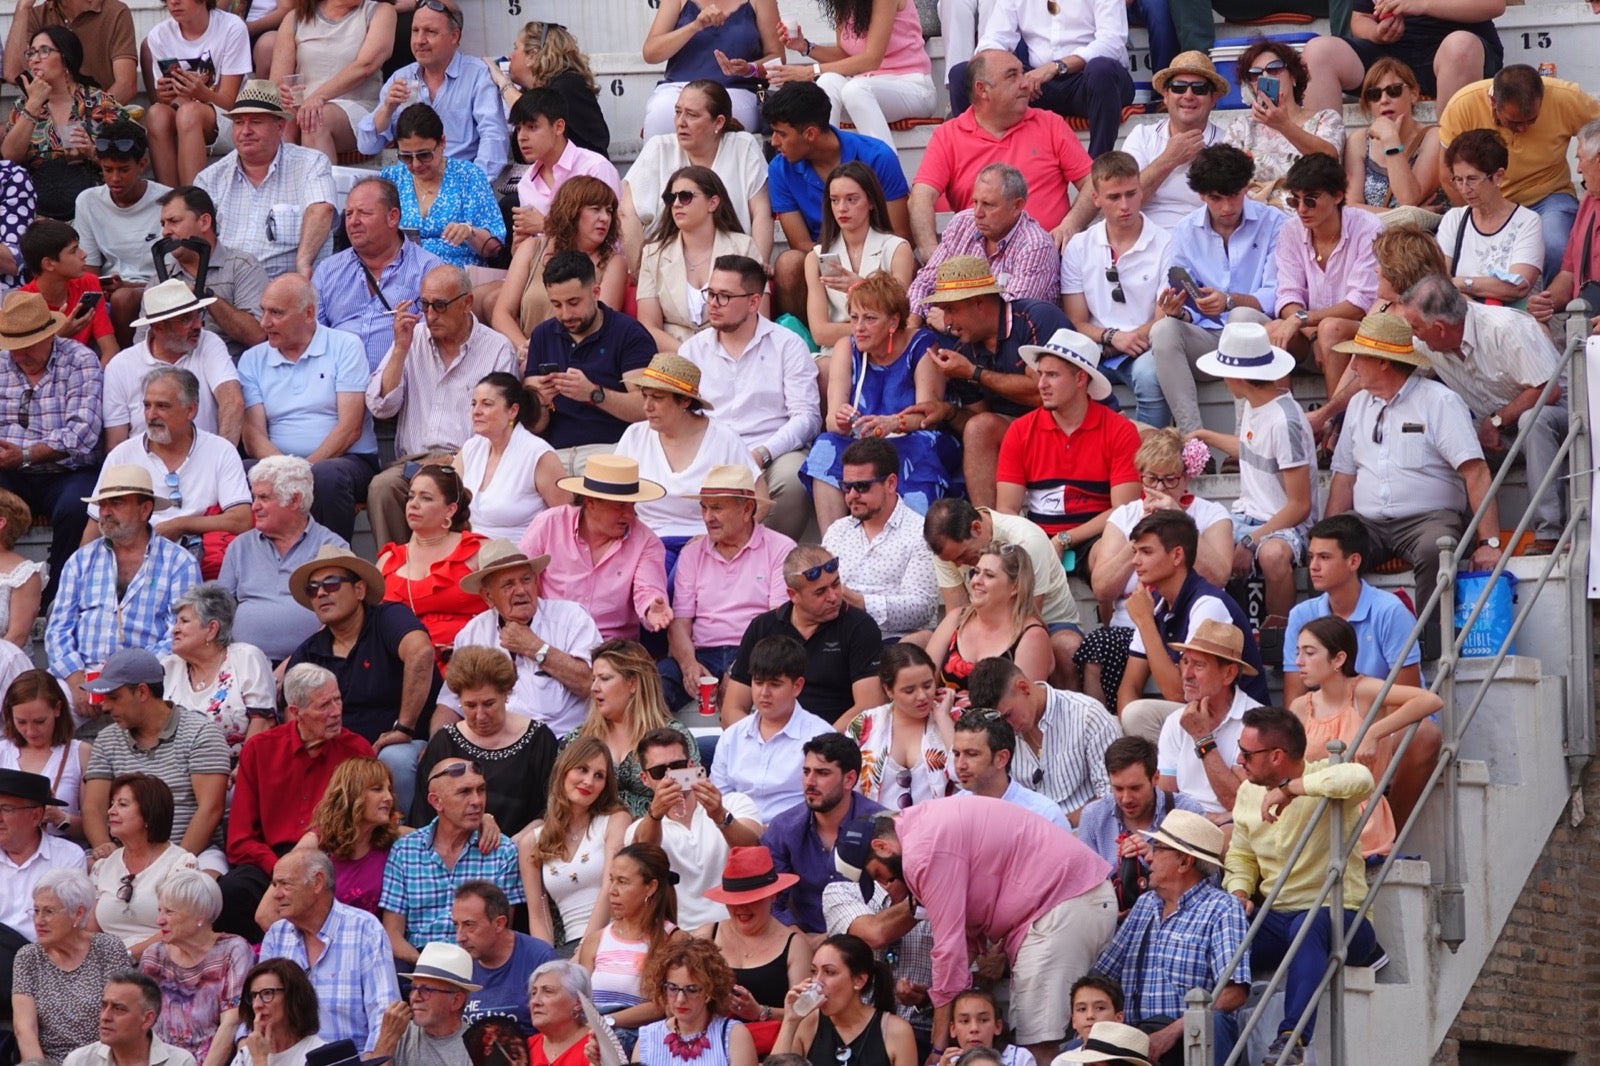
417, 885
910, 957
91, 619
1070, 766
190, 744
354, 979
1158, 959
296, 179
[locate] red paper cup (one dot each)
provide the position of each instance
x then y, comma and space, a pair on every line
92, 673
708, 696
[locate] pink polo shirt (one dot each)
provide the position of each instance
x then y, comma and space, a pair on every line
985, 870
1042, 146
616, 589
537, 187
723, 595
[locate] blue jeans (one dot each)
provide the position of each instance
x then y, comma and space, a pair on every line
1156, 17
401, 759
1305, 970
1150, 403
1557, 212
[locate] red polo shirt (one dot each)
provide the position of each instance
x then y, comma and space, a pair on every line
279, 785
1042, 146
1067, 480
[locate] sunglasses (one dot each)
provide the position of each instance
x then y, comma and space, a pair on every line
1199, 88
329, 585
125, 890
425, 155
444, 9
902, 780
121, 144
455, 769
1275, 68
175, 494
1374, 94
438, 307
1116, 281
23, 417
683, 197
829, 567
862, 486
1309, 201
656, 773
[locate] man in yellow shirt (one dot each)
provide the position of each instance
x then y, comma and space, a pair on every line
1273, 807
1537, 117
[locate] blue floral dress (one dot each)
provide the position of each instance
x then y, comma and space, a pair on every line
464, 196
930, 460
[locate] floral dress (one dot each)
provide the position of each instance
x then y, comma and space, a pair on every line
885, 781
1274, 155
464, 196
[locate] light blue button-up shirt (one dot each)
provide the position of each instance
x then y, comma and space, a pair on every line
469, 105
1245, 264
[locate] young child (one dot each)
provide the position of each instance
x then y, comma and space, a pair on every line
56, 264
975, 1022
1094, 999
763, 756
1277, 455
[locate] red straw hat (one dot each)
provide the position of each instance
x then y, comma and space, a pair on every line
748, 876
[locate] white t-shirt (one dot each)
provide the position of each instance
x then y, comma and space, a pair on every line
123, 395
1275, 436
211, 475
225, 42
1170, 203
1205, 513
1519, 240
698, 852
740, 164
119, 238
674, 515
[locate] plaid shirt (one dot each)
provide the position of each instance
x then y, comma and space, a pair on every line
416, 883
90, 620
63, 409
354, 976
1026, 262
1158, 959
296, 179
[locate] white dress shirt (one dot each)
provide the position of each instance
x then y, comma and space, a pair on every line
1503, 351
1170, 203
1088, 29
537, 695
893, 573
441, 419
767, 771
768, 395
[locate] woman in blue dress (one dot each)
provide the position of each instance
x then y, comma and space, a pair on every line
876, 375
447, 202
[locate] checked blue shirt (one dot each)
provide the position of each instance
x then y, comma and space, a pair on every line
1157, 960
90, 620
352, 992
417, 885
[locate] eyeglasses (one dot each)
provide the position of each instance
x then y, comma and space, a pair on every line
672, 991
28, 394
45, 914
1161, 481
722, 299
862, 486
1274, 68
829, 567
455, 769
1198, 88
1116, 280
656, 773
1468, 181
264, 995
438, 307
425, 155
444, 9
1309, 201
682, 197
41, 52
424, 991
175, 494
121, 144
1374, 94
7, 810
125, 890
328, 585
1377, 426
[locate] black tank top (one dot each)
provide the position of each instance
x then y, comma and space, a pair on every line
768, 983
867, 1049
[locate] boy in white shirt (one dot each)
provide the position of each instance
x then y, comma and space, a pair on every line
760, 755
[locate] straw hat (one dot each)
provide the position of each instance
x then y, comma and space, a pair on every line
747, 876
726, 482
961, 277
1110, 1042
331, 556
1245, 351
170, 299
1076, 350
1220, 639
447, 963
258, 97
128, 479
1384, 336
1191, 833
612, 477
1195, 63
497, 555
26, 319
668, 372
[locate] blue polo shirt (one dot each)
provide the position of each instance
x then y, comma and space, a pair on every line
344, 300
1381, 622
792, 839
301, 397
620, 344
798, 186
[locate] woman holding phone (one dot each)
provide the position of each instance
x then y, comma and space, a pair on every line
857, 240
1279, 130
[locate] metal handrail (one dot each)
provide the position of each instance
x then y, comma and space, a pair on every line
1571, 459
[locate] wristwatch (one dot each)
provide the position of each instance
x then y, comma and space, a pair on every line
727, 819
401, 727
1494, 420
1490, 542
1468, 283
540, 655
1304, 316
1061, 68
1229, 305
1247, 541
598, 396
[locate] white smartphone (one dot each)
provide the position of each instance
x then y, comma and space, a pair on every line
828, 263
687, 777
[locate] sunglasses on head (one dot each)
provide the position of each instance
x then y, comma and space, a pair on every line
1309, 201
656, 773
829, 567
444, 9
120, 144
455, 769
1377, 92
681, 197
1199, 88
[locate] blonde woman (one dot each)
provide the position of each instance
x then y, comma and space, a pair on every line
547, 56
1000, 621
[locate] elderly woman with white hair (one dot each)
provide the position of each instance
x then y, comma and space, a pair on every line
65, 970
208, 671
556, 992
201, 971
258, 563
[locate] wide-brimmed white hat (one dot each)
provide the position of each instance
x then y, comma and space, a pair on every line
1245, 351
448, 963
170, 299
1072, 347
1110, 1042
612, 477
1191, 833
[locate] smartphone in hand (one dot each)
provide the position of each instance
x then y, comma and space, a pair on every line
1268, 87
1179, 278
88, 302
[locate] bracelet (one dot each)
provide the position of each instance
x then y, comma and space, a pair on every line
1204, 748
35, 119
806, 51
1107, 336
1396, 150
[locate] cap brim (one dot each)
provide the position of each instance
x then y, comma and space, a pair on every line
1281, 366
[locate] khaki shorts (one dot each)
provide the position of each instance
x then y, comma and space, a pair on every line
1060, 948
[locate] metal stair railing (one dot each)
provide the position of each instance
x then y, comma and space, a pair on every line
1573, 464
